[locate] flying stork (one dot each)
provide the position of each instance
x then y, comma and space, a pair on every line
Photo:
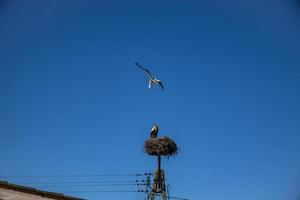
152, 80
154, 131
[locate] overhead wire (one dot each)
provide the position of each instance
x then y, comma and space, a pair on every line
171, 197
85, 182
99, 191
120, 191
85, 185
113, 182
73, 175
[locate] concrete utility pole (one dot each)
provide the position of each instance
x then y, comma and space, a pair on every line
162, 146
159, 184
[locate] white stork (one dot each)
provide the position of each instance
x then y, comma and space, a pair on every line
152, 80
154, 131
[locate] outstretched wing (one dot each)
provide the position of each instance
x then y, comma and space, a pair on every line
146, 70
140, 66
161, 85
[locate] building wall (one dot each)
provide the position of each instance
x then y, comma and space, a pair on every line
6, 194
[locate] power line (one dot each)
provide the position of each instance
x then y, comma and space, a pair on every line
84, 182
178, 198
85, 185
73, 175
119, 191
99, 191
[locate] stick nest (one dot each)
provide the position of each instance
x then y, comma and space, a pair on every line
162, 146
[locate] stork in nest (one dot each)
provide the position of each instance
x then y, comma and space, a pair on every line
154, 131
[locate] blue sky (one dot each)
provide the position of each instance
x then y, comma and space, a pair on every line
73, 102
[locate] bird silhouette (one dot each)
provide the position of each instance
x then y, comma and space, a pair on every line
154, 131
152, 80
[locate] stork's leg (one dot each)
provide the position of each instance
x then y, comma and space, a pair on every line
150, 83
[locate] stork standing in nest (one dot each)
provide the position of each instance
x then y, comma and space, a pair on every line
152, 80
154, 131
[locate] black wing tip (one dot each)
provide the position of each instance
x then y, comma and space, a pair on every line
140, 66
161, 85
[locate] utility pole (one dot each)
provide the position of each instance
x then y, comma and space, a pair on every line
159, 147
159, 184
